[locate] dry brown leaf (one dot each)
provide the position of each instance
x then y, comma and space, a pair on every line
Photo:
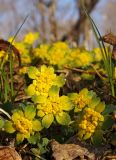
70, 151
8, 153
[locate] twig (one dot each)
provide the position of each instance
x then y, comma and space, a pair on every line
88, 72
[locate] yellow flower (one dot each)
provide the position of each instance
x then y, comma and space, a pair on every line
57, 54
86, 58
41, 51
80, 100
60, 45
52, 107
43, 80
24, 52
30, 38
23, 70
98, 54
24, 123
2, 54
89, 122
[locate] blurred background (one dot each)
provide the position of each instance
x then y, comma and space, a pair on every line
57, 19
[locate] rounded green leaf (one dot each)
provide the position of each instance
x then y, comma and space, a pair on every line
97, 137
81, 133
44, 68
40, 113
63, 118
32, 72
37, 125
8, 126
30, 90
100, 107
19, 137
72, 96
60, 81
45, 141
84, 91
77, 109
66, 103
30, 112
94, 102
109, 109
34, 138
47, 120
39, 99
87, 136
107, 124
54, 90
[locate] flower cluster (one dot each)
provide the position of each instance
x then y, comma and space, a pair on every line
53, 106
24, 123
59, 54
72, 57
30, 38
44, 91
89, 122
43, 79
81, 99
25, 46
89, 107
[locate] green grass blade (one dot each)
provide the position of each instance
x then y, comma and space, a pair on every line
11, 57
107, 57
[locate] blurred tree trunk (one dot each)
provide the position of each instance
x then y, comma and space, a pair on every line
42, 10
48, 20
80, 31
52, 20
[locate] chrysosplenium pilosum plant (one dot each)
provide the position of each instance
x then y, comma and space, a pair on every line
23, 122
44, 92
89, 109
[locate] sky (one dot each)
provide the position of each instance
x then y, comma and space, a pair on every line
8, 18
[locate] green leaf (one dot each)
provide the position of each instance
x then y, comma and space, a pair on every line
72, 96
8, 126
19, 137
109, 109
94, 102
41, 148
100, 107
40, 113
38, 99
84, 91
45, 141
87, 136
66, 103
97, 137
32, 72
81, 133
35, 151
30, 90
37, 125
1, 123
44, 68
34, 139
63, 118
54, 90
107, 124
47, 120
30, 112
60, 81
